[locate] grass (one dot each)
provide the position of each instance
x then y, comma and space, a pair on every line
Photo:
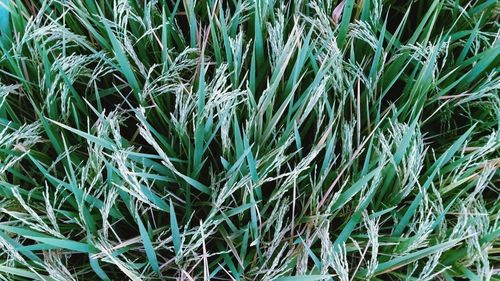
249, 140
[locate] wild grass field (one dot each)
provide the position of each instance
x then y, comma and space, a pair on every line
249, 140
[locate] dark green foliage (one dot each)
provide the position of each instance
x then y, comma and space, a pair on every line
249, 140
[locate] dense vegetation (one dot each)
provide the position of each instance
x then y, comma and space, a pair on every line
249, 140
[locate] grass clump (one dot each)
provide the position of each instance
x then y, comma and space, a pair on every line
249, 140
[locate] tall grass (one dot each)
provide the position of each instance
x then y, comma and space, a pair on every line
249, 140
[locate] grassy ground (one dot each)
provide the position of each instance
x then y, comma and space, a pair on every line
249, 140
